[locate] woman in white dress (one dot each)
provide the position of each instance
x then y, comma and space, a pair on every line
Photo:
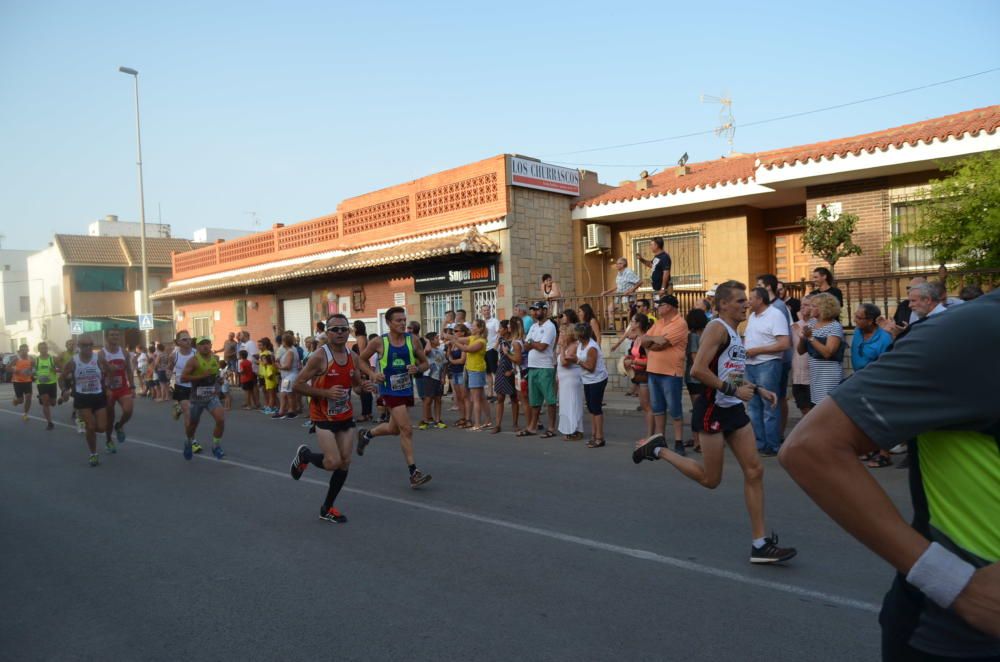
570, 382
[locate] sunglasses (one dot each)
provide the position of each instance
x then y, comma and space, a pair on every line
338, 329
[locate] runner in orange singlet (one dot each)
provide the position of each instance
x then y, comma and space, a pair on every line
23, 368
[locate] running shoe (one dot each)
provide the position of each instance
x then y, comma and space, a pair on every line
94, 460
24, 418
333, 515
648, 450
50, 426
81, 427
120, 434
110, 447
418, 478
679, 448
195, 447
770, 552
307, 423
187, 450
277, 415
423, 425
440, 425
218, 452
364, 438
290, 415
177, 410
299, 463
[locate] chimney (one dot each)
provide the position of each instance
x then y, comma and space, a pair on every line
643, 183
680, 171
111, 218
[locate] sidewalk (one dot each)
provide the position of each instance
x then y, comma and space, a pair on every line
616, 402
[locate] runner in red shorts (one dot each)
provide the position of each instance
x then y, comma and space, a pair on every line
121, 385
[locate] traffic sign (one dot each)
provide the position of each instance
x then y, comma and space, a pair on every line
76, 328
146, 322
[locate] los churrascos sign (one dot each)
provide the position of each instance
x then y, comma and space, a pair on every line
542, 176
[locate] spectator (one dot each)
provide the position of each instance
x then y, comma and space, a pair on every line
705, 306
360, 342
460, 317
432, 385
904, 315
456, 368
588, 317
770, 283
823, 340
626, 284
868, 344
507, 384
474, 347
570, 379
635, 360
541, 340
665, 345
696, 320
660, 264
823, 282
970, 292
800, 362
551, 293
766, 340
448, 323
594, 375
791, 302
526, 319
644, 307
289, 364
924, 301
229, 355
492, 356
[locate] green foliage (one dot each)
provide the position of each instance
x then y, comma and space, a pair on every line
960, 219
829, 238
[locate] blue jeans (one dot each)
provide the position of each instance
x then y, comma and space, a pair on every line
765, 419
665, 395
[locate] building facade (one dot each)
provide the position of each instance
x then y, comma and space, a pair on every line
15, 303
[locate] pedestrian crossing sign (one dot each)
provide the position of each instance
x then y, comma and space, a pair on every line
76, 328
146, 322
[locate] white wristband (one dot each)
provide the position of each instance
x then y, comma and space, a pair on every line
940, 575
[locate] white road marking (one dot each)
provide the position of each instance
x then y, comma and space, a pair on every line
645, 555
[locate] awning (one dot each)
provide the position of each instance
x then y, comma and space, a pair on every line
104, 323
471, 243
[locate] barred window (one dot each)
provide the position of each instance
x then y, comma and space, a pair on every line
909, 257
684, 249
435, 306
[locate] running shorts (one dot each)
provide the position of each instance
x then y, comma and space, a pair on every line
182, 393
48, 389
197, 408
22, 389
393, 401
710, 418
92, 401
334, 426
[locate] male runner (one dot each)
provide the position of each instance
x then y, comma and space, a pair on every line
86, 374
201, 371
121, 382
327, 378
182, 388
400, 359
46, 376
720, 418
61, 361
23, 367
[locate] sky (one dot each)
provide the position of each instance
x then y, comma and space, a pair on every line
279, 111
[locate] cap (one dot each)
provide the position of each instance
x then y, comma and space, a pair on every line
204, 339
539, 305
669, 300
710, 293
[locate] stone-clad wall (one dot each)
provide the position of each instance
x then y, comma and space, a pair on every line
541, 241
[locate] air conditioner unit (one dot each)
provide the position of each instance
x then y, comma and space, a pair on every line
598, 237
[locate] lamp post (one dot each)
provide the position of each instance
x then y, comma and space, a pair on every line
142, 198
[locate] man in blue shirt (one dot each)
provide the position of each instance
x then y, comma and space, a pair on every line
870, 341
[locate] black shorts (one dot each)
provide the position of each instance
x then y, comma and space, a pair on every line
50, 390
491, 361
710, 418
162, 377
695, 389
801, 394
593, 394
334, 426
247, 386
182, 393
22, 389
92, 401
641, 377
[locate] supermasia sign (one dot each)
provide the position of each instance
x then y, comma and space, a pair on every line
542, 176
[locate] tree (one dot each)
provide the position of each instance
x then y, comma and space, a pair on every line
959, 221
828, 237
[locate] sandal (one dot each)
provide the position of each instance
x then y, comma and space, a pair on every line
868, 456
576, 436
880, 462
525, 433
548, 434
495, 430
596, 443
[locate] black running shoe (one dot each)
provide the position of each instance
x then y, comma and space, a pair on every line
364, 437
648, 450
333, 515
299, 463
418, 478
770, 552
679, 448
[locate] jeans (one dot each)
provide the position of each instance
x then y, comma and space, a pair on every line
665, 395
765, 419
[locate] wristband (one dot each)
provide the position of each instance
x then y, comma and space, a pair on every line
940, 575
728, 389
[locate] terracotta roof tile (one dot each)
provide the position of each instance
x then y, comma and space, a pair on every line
957, 125
119, 251
158, 249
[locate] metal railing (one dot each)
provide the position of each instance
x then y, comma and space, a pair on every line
612, 310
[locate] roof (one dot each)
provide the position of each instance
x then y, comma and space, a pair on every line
120, 251
735, 169
374, 255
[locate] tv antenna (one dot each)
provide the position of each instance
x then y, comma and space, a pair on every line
254, 217
727, 123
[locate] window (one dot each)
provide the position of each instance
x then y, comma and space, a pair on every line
482, 298
99, 279
905, 217
201, 326
241, 312
436, 304
25, 304
684, 249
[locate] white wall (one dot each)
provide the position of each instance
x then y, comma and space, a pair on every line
13, 285
209, 235
48, 302
105, 228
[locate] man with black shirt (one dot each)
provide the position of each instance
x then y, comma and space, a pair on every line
823, 282
660, 263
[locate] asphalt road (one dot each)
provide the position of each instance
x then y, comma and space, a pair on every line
517, 549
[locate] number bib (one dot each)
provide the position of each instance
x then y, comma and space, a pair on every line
338, 406
204, 392
400, 382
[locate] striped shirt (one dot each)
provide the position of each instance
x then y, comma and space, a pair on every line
825, 375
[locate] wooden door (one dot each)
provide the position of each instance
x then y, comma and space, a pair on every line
791, 264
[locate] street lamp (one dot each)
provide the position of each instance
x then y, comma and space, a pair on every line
142, 198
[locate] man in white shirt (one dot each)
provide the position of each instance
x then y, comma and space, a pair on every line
766, 340
492, 333
626, 284
540, 343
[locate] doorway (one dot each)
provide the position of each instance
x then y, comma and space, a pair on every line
789, 262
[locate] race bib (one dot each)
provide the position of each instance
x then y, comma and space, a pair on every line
116, 382
400, 382
204, 392
338, 406
286, 384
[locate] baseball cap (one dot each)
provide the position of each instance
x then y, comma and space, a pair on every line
669, 300
203, 339
710, 293
540, 305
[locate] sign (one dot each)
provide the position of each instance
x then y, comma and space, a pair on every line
542, 176
399, 298
146, 322
76, 328
456, 278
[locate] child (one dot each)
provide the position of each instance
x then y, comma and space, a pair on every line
227, 401
431, 384
269, 372
248, 380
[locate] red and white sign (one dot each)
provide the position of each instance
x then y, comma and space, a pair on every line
542, 176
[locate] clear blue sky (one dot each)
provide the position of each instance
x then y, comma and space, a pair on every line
285, 109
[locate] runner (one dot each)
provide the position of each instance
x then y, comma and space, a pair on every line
720, 417
182, 387
46, 376
201, 372
86, 374
121, 383
23, 368
61, 361
327, 378
400, 358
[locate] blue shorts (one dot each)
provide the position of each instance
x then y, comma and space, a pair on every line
194, 413
458, 379
476, 378
665, 395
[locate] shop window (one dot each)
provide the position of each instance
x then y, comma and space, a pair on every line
435, 306
482, 298
908, 257
684, 249
99, 279
241, 312
201, 325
